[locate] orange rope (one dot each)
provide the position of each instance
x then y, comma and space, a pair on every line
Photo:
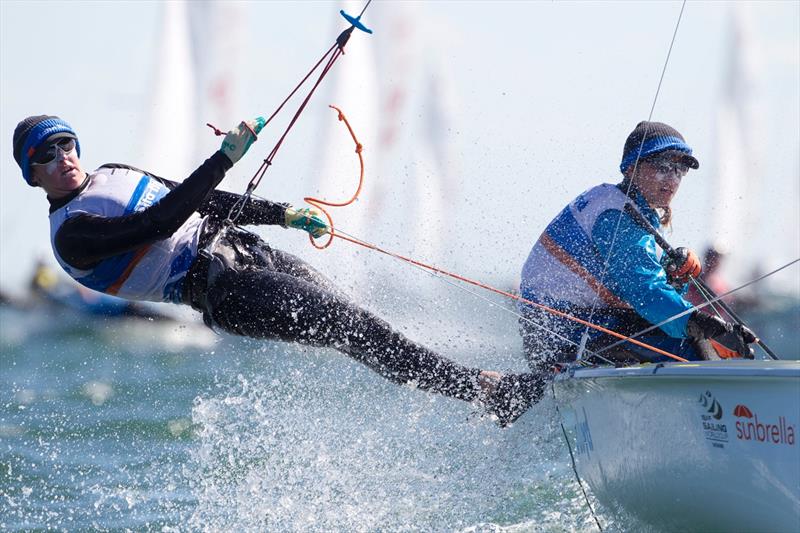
319, 203
512, 296
316, 202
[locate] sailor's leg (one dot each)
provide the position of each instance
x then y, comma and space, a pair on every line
276, 305
294, 266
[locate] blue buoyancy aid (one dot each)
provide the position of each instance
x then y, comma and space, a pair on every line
573, 266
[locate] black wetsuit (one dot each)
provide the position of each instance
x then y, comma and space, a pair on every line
545, 344
247, 288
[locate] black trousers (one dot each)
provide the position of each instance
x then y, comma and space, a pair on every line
248, 288
543, 337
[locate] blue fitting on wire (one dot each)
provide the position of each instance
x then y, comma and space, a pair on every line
355, 21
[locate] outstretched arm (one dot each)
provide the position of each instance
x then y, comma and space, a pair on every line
86, 239
218, 204
257, 211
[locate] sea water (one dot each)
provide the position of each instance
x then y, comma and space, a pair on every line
141, 426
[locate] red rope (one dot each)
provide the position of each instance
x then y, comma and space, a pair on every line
256, 179
510, 295
319, 203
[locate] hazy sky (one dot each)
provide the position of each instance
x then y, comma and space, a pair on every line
542, 96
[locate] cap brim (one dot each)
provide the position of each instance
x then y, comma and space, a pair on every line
690, 161
687, 159
61, 135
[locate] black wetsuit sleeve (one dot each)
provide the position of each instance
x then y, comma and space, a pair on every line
256, 212
84, 240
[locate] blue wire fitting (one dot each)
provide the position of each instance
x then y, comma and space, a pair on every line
355, 21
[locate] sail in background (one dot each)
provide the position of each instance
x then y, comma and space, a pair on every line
168, 142
417, 164
194, 82
217, 41
393, 88
739, 150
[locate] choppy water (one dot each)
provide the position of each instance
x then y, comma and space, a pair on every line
136, 426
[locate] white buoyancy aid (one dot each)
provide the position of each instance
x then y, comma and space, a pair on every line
154, 272
564, 265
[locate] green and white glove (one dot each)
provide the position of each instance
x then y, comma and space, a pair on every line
306, 219
239, 139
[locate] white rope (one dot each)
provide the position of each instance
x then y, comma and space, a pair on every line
701, 306
630, 183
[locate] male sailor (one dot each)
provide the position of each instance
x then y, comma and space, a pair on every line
596, 262
126, 232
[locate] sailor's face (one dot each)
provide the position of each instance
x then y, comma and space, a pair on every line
61, 175
659, 179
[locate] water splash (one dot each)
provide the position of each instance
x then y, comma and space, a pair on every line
312, 441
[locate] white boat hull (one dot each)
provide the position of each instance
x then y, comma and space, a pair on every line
708, 446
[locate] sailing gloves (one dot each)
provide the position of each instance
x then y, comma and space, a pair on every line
681, 265
239, 139
306, 219
704, 326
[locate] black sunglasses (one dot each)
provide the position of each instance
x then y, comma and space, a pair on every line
666, 166
47, 152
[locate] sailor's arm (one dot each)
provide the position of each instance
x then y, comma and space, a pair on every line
218, 204
260, 212
635, 274
84, 240
257, 211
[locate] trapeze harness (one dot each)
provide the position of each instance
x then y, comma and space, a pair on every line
124, 232
564, 271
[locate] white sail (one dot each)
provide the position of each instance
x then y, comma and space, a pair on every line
739, 144
392, 87
169, 140
415, 172
194, 82
217, 42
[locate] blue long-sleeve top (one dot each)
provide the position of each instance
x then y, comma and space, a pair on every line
634, 271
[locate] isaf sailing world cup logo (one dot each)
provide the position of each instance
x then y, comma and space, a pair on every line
714, 429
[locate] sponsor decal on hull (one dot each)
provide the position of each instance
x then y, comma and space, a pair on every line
749, 427
580, 434
714, 428
583, 436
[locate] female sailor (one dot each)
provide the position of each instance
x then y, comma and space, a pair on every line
123, 231
596, 262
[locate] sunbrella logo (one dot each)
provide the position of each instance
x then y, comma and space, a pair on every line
749, 427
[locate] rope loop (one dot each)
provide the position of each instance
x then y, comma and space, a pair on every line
319, 203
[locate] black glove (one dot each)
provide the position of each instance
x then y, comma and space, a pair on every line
704, 326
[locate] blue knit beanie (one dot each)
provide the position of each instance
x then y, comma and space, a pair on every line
652, 138
32, 132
